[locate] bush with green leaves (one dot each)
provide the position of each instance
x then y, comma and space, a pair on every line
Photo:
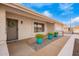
39, 36
55, 34
50, 33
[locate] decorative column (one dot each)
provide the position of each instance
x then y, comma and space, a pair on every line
3, 38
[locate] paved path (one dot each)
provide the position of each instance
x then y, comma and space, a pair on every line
69, 46
53, 48
20, 48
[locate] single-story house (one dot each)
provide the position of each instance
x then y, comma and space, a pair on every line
18, 22
66, 29
76, 29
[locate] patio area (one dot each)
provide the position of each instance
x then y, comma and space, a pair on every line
28, 47
46, 41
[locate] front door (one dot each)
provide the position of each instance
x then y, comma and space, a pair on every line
12, 29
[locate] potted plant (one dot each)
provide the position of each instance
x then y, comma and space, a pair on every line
55, 34
39, 38
50, 35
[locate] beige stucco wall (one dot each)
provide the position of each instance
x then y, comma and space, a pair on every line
2, 24
50, 27
58, 27
25, 30
76, 30
65, 29
3, 49
3, 45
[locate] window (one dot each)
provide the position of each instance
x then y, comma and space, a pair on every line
38, 27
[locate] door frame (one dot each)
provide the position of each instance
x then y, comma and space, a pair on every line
7, 29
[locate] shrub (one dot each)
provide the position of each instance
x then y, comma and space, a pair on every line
39, 36
55, 34
50, 33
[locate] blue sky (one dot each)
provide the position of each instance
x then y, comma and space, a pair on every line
63, 12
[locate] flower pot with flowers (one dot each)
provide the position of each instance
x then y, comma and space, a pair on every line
50, 35
39, 38
55, 34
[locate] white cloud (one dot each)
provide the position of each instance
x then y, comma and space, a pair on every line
38, 5
73, 21
67, 13
65, 6
47, 13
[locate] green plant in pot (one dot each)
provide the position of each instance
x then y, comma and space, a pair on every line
55, 34
39, 38
50, 35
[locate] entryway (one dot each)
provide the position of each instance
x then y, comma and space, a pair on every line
12, 29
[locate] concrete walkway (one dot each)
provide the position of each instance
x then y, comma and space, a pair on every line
69, 46
21, 48
53, 48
